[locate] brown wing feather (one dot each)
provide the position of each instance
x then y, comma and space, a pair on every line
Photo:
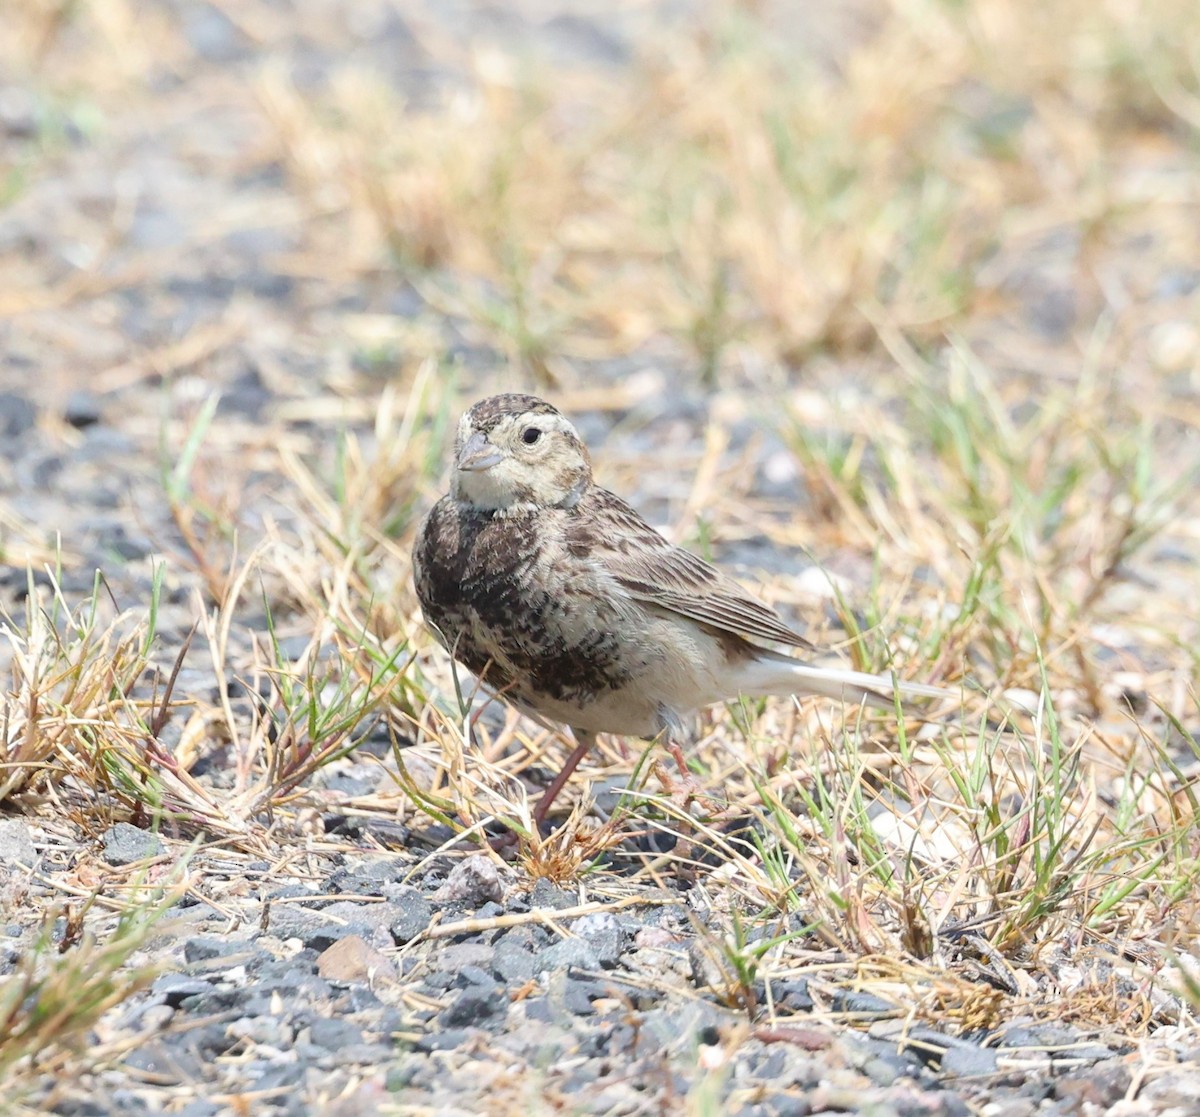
658, 573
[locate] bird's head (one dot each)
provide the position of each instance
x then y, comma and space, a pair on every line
516, 449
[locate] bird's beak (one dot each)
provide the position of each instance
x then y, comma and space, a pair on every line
478, 454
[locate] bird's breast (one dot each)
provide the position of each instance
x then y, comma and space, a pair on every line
516, 606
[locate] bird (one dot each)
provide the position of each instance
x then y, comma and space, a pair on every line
560, 597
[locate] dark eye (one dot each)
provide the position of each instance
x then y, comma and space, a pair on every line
530, 435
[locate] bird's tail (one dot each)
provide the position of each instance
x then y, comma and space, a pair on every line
779, 674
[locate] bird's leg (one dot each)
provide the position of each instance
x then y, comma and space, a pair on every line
676, 751
690, 789
583, 742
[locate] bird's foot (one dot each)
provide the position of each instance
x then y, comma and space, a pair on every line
685, 790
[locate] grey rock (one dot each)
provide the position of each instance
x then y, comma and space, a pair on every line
154, 1018
604, 935
126, 1101
1052, 310
199, 1107
186, 1064
675, 1027
786, 1105
548, 895
294, 981
17, 414
880, 1061
102, 444
117, 539
772, 1064
314, 927
375, 916
1099, 1087
438, 981
475, 880
16, 844
923, 1038
208, 948
348, 784
473, 975
578, 995
412, 914
402, 1075
295, 891
1060, 1041
792, 995
362, 1054
969, 1060
474, 1004
577, 40
271, 1030
74, 1107
286, 973
861, 1004
540, 1010
361, 999
567, 953
211, 1040
174, 988
1172, 1088
459, 955
276, 1076
82, 409
152, 1058
448, 1040
215, 1002
247, 396
489, 911
333, 1034
529, 937
212, 35
513, 963
19, 112
125, 844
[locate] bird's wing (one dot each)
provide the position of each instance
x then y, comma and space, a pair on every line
657, 573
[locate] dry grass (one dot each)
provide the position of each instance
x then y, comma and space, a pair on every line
861, 245
754, 203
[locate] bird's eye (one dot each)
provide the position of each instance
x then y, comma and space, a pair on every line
530, 435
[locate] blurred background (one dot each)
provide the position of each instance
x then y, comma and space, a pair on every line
574, 194
903, 283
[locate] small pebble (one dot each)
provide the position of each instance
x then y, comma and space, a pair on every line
473, 881
1175, 346
16, 844
124, 844
82, 409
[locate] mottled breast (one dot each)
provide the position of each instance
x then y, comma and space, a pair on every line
517, 608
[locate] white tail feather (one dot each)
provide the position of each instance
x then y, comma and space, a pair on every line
783, 675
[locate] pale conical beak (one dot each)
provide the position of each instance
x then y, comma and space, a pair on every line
478, 454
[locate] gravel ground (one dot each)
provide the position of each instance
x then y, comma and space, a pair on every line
448, 985
350, 967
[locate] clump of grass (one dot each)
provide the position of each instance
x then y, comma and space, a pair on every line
60, 987
84, 730
70, 714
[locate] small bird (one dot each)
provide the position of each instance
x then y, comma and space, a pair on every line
559, 596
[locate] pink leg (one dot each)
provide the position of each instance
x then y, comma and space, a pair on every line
583, 742
677, 755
